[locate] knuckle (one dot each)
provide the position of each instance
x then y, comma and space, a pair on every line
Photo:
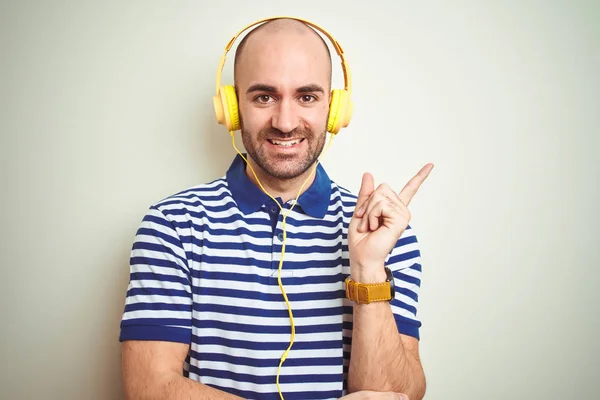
384, 189
392, 205
377, 195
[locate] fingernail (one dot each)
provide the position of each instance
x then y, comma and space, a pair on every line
403, 396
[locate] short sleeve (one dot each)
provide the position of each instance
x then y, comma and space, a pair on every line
158, 304
405, 263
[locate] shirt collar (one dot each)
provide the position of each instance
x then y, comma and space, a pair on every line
250, 198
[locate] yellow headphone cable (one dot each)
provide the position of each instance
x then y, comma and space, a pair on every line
293, 331
340, 111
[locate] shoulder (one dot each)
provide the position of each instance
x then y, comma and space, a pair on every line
195, 198
342, 194
189, 207
342, 202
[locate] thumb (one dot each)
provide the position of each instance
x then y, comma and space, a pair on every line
367, 187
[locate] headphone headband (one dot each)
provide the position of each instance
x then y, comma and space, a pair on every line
336, 45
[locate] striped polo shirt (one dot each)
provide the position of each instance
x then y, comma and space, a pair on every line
203, 271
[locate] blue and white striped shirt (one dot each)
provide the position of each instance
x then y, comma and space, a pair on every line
203, 271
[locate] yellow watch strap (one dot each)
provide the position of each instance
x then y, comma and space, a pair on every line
366, 293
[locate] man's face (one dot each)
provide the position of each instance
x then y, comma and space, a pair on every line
283, 87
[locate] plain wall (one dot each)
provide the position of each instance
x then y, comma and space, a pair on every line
106, 107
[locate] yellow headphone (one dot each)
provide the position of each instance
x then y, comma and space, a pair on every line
340, 107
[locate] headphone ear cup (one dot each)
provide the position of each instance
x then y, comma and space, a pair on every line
219, 110
232, 107
340, 110
334, 106
226, 108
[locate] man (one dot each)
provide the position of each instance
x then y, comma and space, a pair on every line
205, 317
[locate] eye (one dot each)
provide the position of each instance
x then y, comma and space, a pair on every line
263, 99
308, 98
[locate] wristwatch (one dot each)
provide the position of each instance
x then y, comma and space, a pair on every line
365, 293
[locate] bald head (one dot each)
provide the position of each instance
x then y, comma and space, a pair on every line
283, 32
283, 87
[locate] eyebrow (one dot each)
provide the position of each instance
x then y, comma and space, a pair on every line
261, 87
310, 89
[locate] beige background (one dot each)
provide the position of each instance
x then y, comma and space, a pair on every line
106, 108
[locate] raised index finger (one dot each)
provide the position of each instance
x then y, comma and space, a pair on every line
411, 188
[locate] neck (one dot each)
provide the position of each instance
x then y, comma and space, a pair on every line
287, 189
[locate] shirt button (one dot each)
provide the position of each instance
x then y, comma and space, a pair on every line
273, 209
280, 236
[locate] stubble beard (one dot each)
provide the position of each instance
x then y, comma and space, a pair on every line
284, 166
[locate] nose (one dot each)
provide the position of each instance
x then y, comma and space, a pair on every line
285, 117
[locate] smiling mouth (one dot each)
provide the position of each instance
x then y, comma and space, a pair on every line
285, 143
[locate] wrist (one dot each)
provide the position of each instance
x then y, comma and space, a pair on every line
368, 273
368, 286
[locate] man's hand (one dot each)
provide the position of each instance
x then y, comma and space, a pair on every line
379, 219
369, 395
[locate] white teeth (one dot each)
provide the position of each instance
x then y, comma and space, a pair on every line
286, 143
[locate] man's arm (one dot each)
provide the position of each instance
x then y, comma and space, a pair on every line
381, 358
159, 296
153, 370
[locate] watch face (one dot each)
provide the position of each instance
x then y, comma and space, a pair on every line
390, 279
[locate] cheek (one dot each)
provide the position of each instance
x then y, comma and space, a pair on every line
319, 117
254, 119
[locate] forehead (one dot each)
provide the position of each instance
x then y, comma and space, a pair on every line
286, 59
